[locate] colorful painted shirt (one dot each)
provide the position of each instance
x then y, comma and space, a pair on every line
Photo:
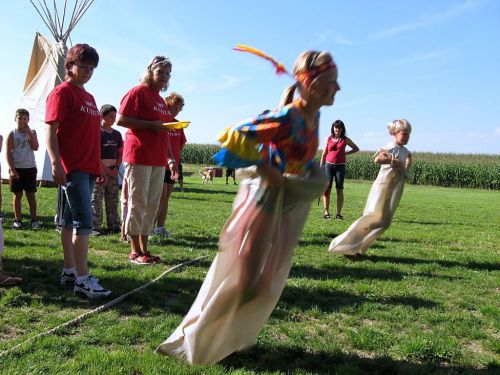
279, 138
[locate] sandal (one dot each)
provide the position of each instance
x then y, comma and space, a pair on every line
326, 216
132, 257
10, 281
144, 260
155, 258
339, 217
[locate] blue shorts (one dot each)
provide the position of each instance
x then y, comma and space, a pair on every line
77, 212
336, 171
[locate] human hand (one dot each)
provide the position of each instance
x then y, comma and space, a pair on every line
58, 174
158, 126
174, 171
13, 174
272, 175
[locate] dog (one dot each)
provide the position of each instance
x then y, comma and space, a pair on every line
207, 176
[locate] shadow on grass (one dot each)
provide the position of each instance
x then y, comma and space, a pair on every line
480, 266
41, 285
287, 360
205, 242
335, 272
209, 191
330, 300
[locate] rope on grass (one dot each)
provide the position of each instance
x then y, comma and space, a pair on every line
107, 305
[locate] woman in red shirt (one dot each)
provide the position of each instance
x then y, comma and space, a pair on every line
146, 151
333, 159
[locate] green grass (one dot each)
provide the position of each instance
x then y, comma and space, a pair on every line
425, 300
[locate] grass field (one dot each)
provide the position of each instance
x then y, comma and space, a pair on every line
426, 299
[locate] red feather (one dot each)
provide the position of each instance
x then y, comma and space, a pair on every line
280, 68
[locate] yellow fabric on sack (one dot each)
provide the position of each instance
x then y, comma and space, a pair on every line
238, 144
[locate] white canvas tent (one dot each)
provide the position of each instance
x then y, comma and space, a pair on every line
46, 70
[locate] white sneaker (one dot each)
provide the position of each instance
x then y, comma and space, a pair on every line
161, 231
18, 224
67, 279
35, 224
90, 288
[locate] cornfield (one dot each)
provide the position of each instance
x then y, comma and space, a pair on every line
448, 170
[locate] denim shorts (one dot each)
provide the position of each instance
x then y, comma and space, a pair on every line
77, 212
337, 172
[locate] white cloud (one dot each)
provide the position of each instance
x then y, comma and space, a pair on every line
429, 20
436, 55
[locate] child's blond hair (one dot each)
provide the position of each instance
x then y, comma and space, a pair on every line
398, 125
307, 61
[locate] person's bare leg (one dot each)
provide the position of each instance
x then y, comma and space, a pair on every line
67, 245
80, 249
340, 201
32, 204
326, 202
16, 202
162, 209
143, 238
135, 245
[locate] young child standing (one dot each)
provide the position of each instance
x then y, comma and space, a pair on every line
256, 244
111, 159
384, 197
177, 138
22, 143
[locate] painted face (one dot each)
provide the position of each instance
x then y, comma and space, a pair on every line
402, 137
109, 119
160, 77
326, 87
81, 73
22, 121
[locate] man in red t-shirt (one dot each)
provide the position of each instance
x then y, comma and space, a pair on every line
146, 151
175, 103
72, 117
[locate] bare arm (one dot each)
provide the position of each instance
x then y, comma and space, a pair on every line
352, 145
32, 138
53, 149
134, 123
323, 155
382, 157
8, 155
119, 156
408, 162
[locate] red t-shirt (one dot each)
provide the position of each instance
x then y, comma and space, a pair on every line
335, 151
145, 147
79, 130
177, 141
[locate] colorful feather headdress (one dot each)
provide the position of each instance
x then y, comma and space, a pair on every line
305, 78
280, 68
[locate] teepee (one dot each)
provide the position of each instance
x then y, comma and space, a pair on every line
46, 70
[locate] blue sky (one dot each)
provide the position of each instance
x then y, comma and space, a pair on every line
435, 63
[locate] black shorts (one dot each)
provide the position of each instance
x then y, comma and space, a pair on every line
167, 179
336, 171
26, 181
230, 172
179, 167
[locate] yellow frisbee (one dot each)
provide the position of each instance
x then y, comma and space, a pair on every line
177, 125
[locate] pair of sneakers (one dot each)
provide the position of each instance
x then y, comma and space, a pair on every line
162, 232
89, 287
18, 224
